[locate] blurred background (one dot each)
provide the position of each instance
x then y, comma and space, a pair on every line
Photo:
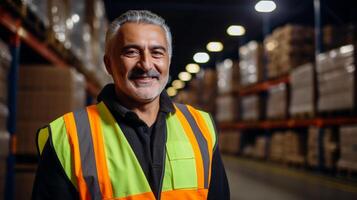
277, 76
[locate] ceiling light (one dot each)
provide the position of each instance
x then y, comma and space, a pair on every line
192, 68
214, 46
184, 76
201, 57
265, 6
75, 18
236, 30
178, 84
171, 91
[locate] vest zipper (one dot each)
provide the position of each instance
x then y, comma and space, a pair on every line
162, 172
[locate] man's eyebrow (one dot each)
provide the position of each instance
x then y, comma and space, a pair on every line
129, 46
158, 47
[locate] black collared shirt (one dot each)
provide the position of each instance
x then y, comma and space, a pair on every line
148, 144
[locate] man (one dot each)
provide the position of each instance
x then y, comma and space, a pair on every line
135, 143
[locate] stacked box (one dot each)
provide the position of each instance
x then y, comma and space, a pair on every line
251, 108
277, 102
251, 63
260, 147
24, 179
329, 144
288, 47
208, 90
330, 149
302, 87
348, 148
294, 151
45, 93
313, 147
228, 76
336, 79
226, 108
229, 142
276, 152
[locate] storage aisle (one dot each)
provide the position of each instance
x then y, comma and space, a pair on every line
250, 180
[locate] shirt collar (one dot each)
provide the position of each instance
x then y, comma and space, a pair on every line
107, 95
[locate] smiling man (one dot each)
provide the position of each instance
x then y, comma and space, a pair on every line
135, 143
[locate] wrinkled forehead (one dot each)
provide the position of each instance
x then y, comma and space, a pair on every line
141, 33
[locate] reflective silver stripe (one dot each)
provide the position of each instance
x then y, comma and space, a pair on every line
202, 143
86, 149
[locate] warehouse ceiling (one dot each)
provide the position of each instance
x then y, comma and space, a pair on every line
194, 23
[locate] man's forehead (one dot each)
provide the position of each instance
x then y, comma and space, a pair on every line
140, 33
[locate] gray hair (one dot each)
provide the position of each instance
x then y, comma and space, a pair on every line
137, 16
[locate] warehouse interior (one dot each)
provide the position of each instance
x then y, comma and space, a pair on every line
278, 77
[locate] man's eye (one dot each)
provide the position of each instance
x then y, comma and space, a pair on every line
158, 53
131, 53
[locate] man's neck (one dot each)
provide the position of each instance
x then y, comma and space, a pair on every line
146, 111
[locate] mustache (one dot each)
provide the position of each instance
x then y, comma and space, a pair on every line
139, 73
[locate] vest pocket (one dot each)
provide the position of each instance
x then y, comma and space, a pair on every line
183, 165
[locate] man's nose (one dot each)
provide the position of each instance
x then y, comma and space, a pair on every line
146, 61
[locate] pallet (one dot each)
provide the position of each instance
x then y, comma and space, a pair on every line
347, 167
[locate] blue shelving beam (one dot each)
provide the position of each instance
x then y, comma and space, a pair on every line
11, 123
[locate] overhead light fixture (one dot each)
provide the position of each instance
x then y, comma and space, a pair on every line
171, 91
236, 30
214, 46
178, 84
184, 76
75, 18
201, 57
193, 68
265, 6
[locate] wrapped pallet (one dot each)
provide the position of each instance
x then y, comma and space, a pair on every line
302, 87
250, 108
226, 108
348, 150
312, 157
288, 47
251, 58
336, 79
294, 150
260, 147
329, 147
45, 93
277, 102
228, 76
229, 142
276, 152
207, 91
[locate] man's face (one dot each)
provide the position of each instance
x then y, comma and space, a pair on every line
139, 61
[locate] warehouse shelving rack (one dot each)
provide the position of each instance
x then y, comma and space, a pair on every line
291, 123
13, 21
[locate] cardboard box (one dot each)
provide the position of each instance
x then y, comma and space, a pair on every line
277, 102
229, 142
226, 108
251, 63
26, 136
4, 144
251, 107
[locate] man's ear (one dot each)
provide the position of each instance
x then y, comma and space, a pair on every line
107, 64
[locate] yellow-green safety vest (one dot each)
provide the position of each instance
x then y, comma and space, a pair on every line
100, 163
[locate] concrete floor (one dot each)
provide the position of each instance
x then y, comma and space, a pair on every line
253, 180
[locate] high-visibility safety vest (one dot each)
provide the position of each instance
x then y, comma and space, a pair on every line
100, 163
